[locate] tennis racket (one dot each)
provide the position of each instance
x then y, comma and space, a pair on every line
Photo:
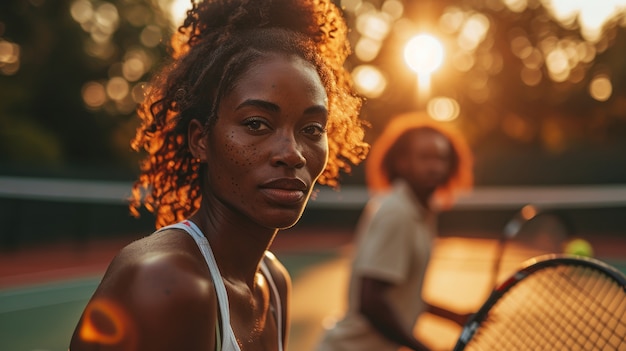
555, 302
530, 233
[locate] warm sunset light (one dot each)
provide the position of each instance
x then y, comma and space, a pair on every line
600, 87
369, 80
590, 15
103, 101
423, 54
443, 109
177, 9
105, 323
529, 211
9, 57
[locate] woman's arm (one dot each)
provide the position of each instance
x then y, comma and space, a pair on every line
160, 301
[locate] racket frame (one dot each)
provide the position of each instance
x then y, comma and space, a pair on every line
529, 267
514, 226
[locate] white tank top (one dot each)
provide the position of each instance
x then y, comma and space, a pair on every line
228, 341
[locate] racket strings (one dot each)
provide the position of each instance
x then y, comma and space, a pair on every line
562, 307
600, 305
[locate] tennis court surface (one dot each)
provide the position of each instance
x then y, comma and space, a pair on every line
43, 290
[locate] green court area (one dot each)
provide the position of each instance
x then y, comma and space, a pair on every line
41, 317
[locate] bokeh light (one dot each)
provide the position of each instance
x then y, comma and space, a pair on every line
528, 212
451, 20
94, 95
473, 32
374, 25
423, 53
394, 8
558, 65
443, 108
151, 36
105, 21
9, 57
127, 63
369, 80
366, 49
546, 55
516, 5
81, 11
117, 88
600, 87
590, 15
531, 76
541, 72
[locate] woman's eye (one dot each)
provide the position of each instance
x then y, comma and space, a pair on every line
314, 130
255, 125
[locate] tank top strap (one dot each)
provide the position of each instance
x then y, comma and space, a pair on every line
277, 303
228, 340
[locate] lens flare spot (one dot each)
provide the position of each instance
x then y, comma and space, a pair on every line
105, 323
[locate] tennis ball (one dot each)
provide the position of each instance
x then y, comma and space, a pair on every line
578, 247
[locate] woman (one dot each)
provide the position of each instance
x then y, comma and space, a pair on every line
414, 165
253, 109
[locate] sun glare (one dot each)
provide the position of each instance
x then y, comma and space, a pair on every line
177, 10
591, 15
423, 54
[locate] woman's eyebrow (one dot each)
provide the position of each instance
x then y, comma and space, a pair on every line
272, 107
317, 109
266, 105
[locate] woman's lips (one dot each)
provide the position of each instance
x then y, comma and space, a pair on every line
286, 191
283, 196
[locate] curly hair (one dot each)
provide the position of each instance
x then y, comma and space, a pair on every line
379, 172
214, 46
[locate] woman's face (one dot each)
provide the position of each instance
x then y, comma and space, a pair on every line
269, 144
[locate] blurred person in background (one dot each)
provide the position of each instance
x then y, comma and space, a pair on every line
254, 107
414, 169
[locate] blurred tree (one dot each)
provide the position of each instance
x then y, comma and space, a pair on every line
71, 72
543, 100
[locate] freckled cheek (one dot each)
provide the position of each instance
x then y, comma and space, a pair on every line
236, 162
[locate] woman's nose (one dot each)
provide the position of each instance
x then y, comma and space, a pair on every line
288, 153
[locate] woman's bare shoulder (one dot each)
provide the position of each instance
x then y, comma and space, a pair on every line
160, 288
166, 265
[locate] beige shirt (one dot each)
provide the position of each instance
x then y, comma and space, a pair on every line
394, 241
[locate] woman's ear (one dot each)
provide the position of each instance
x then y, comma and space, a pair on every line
197, 140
